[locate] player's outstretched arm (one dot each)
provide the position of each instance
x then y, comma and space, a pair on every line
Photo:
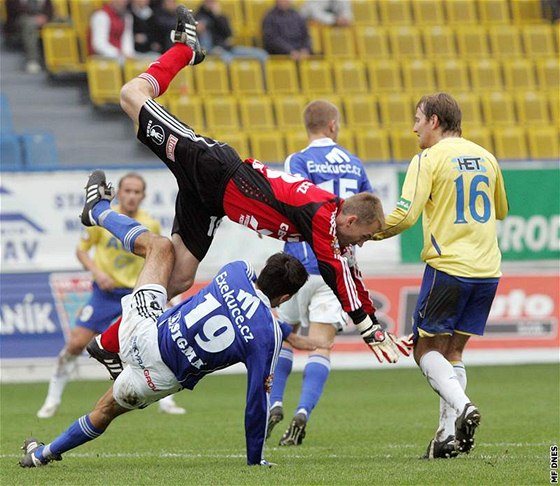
133, 96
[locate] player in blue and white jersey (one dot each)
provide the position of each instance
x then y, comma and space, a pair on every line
333, 168
229, 321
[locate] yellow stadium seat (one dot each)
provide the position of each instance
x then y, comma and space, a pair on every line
406, 43
485, 75
480, 136
439, 43
538, 41
372, 145
256, 112
365, 12
338, 43
221, 113
189, 110
255, 10
470, 108
452, 76
212, 77
548, 73
526, 11
233, 9
554, 104
395, 12
498, 109
384, 76
316, 35
428, 12
494, 12
350, 77
519, 74
182, 84
532, 108
60, 44
60, 8
281, 75
505, 41
289, 111
461, 12
396, 110
236, 139
80, 13
316, 77
346, 140
404, 144
361, 111
246, 76
371, 42
134, 67
418, 77
268, 146
472, 42
544, 143
510, 143
105, 80
296, 140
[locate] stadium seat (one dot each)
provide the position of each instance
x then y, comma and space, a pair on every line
418, 77
296, 140
233, 9
472, 42
494, 12
404, 144
452, 76
548, 73
384, 76
544, 143
395, 12
212, 77
246, 77
268, 146
221, 113
510, 143
316, 77
189, 110
60, 9
80, 13
236, 139
470, 109
526, 12
346, 139
316, 35
439, 43
255, 10
505, 41
428, 12
60, 45
519, 74
371, 42
461, 12
289, 111
338, 43
396, 110
281, 75
365, 12
485, 75
372, 145
182, 84
39, 150
532, 108
480, 136
104, 80
361, 111
6, 116
406, 43
538, 41
498, 109
256, 113
133, 67
10, 152
554, 105
350, 77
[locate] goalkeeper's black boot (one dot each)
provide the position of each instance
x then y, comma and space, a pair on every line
185, 33
111, 361
465, 427
96, 190
29, 459
275, 417
296, 431
446, 449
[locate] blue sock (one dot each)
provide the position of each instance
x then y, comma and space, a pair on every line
124, 228
80, 432
315, 375
281, 374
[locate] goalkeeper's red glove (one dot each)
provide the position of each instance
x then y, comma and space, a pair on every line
404, 344
378, 341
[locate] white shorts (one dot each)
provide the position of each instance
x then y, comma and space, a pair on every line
145, 378
314, 302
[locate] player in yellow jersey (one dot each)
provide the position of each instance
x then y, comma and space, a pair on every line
114, 271
458, 187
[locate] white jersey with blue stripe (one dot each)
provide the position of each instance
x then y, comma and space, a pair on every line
333, 168
227, 322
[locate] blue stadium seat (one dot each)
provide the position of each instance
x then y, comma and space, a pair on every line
10, 152
6, 120
39, 150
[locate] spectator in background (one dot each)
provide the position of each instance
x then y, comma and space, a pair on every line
336, 13
24, 21
285, 31
216, 36
144, 27
111, 33
551, 10
165, 19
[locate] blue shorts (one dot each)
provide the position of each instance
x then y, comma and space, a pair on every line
101, 309
448, 304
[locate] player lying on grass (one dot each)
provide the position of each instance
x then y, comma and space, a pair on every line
229, 321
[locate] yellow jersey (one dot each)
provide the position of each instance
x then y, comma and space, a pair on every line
110, 257
459, 188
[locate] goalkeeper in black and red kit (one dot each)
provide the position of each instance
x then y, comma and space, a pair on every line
215, 182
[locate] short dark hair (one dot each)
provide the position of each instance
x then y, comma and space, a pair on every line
283, 274
366, 206
445, 107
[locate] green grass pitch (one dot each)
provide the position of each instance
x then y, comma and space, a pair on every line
371, 427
